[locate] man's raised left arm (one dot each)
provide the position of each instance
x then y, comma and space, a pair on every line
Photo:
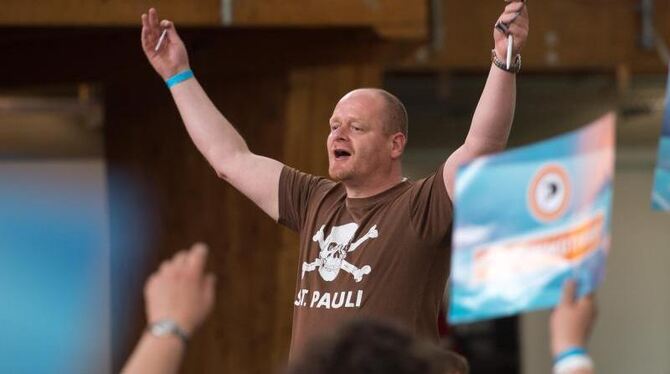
493, 117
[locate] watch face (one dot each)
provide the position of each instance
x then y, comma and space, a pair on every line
167, 327
162, 328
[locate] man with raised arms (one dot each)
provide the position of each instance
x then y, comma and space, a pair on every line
372, 243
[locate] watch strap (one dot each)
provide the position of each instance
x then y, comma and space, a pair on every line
165, 327
514, 68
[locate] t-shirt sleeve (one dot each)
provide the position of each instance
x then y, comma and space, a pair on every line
295, 191
431, 210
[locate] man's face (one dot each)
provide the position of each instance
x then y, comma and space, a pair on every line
358, 146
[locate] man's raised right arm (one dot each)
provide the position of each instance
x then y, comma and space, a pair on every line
255, 176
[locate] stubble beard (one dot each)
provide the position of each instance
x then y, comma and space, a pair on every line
340, 173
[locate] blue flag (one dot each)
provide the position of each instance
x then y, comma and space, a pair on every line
528, 219
661, 194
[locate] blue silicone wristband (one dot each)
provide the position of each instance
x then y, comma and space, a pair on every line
179, 77
573, 351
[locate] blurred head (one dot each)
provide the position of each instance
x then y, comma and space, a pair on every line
370, 347
368, 133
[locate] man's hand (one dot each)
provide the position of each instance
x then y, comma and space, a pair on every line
572, 320
171, 56
180, 290
514, 21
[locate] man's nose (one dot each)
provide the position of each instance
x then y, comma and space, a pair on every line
340, 133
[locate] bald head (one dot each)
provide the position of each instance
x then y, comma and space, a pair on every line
395, 114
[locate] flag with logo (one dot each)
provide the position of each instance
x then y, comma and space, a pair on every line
528, 219
661, 194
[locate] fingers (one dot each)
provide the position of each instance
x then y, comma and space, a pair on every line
152, 33
521, 17
516, 2
588, 302
145, 21
509, 18
514, 6
166, 267
502, 27
190, 262
146, 38
171, 31
180, 259
156, 34
197, 258
515, 12
519, 29
516, 30
174, 265
148, 35
569, 292
153, 18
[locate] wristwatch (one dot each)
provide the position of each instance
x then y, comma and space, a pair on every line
514, 68
165, 327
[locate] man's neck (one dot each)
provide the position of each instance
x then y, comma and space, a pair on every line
371, 187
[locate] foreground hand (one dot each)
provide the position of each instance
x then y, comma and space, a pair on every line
180, 290
171, 58
515, 21
572, 320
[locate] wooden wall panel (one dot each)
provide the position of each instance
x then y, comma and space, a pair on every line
394, 18
105, 12
391, 18
565, 35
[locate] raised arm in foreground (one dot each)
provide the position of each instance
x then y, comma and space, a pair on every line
570, 326
178, 298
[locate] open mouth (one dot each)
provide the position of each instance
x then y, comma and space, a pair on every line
341, 154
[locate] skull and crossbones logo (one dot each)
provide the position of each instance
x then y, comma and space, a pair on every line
334, 249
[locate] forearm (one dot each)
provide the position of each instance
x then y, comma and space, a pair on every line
212, 133
159, 355
493, 117
490, 126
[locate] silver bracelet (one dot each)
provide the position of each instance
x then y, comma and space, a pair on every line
165, 327
514, 68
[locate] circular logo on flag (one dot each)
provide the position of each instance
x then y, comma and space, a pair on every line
549, 193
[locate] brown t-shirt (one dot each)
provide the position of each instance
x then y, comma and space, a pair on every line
384, 257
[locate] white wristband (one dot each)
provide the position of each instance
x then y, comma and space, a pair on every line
571, 363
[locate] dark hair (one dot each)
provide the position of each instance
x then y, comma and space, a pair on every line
372, 347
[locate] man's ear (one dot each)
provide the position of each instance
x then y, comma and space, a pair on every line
398, 141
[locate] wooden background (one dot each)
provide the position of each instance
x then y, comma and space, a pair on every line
276, 72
